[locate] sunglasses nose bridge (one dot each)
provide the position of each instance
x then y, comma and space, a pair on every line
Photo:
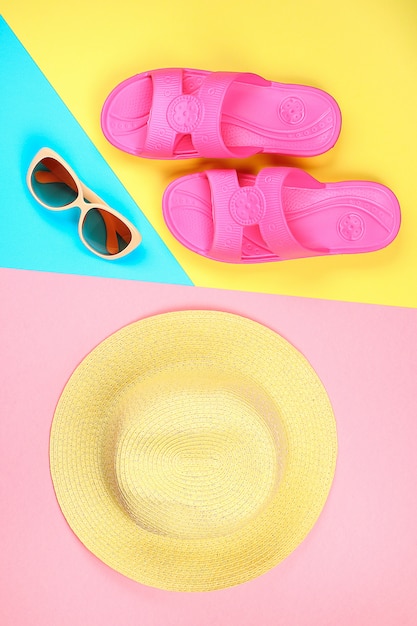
88, 197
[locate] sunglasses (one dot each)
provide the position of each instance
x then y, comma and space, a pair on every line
102, 230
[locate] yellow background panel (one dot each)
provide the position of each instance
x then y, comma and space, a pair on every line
363, 52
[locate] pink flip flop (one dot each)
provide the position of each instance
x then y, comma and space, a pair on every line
282, 213
186, 113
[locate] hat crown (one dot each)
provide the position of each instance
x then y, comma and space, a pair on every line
199, 458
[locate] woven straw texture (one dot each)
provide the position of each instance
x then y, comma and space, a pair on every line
193, 450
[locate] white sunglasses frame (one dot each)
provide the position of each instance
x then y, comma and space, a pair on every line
94, 202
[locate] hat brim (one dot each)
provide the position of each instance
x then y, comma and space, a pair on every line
193, 450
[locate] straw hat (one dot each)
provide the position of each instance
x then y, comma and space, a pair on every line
193, 450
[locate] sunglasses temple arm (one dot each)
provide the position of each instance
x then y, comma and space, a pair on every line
51, 176
112, 230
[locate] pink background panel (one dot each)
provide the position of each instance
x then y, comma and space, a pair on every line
359, 563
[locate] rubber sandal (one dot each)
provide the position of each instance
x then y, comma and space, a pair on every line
282, 213
185, 113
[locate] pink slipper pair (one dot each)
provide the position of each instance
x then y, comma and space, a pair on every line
282, 213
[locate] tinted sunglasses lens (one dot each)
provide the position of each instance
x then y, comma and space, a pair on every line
105, 233
52, 184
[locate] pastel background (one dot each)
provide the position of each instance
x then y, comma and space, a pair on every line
363, 52
359, 563
354, 317
32, 116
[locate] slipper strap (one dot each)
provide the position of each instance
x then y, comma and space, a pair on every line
273, 225
161, 137
235, 207
228, 234
175, 114
207, 138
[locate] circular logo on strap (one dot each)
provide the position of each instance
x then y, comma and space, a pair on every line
351, 226
184, 113
247, 206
